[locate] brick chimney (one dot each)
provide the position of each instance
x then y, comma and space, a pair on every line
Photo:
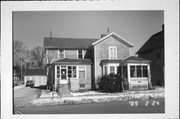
163, 27
103, 35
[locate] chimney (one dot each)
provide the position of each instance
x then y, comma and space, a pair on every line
103, 35
50, 34
163, 27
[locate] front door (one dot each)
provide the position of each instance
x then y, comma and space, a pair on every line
63, 78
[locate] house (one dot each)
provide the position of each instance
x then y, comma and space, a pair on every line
38, 76
153, 50
81, 62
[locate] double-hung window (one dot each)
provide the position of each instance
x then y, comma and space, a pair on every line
61, 54
82, 72
112, 69
112, 52
80, 54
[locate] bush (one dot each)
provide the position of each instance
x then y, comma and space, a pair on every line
110, 83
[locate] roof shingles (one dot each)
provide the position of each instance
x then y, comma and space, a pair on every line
81, 43
155, 41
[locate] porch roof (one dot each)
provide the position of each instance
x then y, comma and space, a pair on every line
72, 61
134, 59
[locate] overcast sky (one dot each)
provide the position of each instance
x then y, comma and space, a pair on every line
135, 26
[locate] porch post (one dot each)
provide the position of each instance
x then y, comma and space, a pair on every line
55, 73
128, 75
149, 76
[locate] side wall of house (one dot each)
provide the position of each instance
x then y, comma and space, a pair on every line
70, 54
102, 52
52, 55
87, 81
156, 57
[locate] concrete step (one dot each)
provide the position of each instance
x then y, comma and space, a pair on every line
64, 91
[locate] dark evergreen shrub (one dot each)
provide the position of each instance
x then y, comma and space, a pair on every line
110, 83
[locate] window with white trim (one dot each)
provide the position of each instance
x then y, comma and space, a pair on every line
112, 69
138, 71
72, 71
80, 54
58, 72
82, 85
112, 52
61, 54
82, 72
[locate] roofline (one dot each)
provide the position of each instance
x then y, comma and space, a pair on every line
112, 33
141, 49
125, 59
55, 47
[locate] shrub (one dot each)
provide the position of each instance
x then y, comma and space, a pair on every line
110, 83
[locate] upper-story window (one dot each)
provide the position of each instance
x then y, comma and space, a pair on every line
61, 54
80, 54
112, 52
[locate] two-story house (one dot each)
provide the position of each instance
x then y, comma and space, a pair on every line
83, 61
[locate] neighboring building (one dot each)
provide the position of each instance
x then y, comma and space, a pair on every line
16, 75
38, 76
83, 61
153, 50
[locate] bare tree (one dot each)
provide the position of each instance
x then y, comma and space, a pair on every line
19, 52
37, 57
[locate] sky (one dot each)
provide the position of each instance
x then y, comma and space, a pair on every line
136, 27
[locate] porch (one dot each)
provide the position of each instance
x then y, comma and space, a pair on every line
134, 71
71, 75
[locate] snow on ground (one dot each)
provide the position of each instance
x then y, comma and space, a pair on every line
53, 98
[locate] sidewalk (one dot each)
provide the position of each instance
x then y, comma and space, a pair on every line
53, 98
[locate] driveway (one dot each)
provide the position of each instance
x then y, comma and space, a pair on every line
23, 95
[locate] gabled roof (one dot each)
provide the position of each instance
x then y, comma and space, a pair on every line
75, 61
32, 72
155, 41
69, 43
114, 35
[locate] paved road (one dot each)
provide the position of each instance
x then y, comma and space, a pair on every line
143, 106
23, 95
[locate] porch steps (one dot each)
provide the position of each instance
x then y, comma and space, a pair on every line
64, 91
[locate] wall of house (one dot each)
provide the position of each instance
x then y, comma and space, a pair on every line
52, 54
71, 54
102, 52
76, 82
156, 57
87, 81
